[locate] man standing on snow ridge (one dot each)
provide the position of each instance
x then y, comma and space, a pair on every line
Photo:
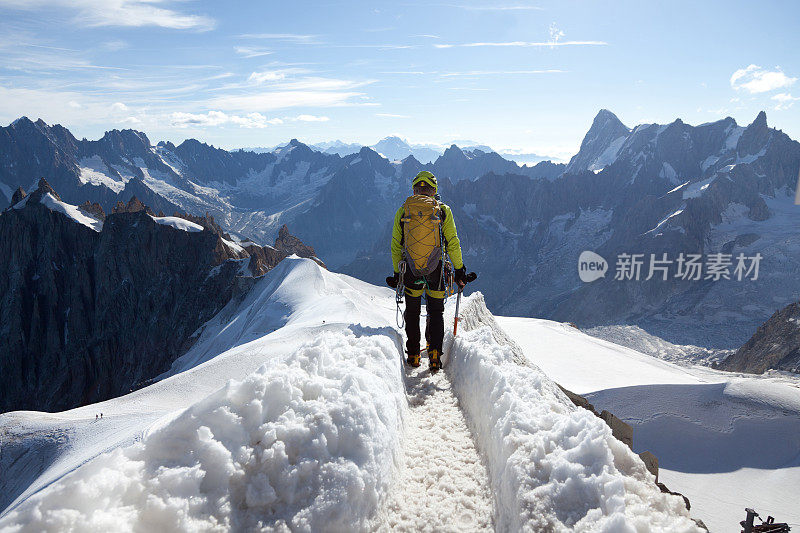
423, 229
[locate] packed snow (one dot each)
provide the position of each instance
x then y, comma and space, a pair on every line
554, 466
72, 212
94, 171
179, 223
294, 411
727, 441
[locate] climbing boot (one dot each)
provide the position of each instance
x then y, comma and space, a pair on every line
413, 360
434, 360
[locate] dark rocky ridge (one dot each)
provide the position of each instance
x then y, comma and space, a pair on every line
776, 345
88, 315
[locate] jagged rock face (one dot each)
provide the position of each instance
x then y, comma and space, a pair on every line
606, 130
93, 209
134, 205
19, 194
671, 188
88, 315
776, 345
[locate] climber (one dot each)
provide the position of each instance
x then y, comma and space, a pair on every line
423, 230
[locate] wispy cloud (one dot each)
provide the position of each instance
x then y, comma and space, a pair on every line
285, 37
525, 44
785, 101
251, 51
391, 115
311, 118
266, 76
281, 99
131, 13
508, 7
500, 72
755, 79
218, 118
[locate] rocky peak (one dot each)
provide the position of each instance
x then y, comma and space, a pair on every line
453, 153
126, 141
605, 120
133, 206
775, 345
19, 194
289, 244
754, 137
93, 209
42, 189
605, 130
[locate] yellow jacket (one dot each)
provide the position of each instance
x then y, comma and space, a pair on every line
452, 244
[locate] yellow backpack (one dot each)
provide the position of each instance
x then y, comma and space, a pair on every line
422, 234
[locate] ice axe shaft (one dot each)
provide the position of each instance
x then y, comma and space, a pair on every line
472, 276
455, 321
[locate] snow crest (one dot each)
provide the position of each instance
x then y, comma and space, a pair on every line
553, 466
305, 444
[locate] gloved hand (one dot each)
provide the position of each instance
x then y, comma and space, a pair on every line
461, 276
393, 280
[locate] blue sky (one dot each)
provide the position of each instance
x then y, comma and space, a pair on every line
517, 75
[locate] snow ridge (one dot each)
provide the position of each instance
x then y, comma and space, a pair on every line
295, 413
443, 484
553, 466
306, 444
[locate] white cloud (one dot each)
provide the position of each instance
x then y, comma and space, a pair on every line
517, 7
525, 44
251, 51
270, 100
270, 75
119, 107
555, 33
311, 118
74, 105
218, 118
755, 79
785, 101
287, 37
132, 13
499, 72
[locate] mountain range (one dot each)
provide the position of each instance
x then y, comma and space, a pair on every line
652, 189
396, 149
93, 305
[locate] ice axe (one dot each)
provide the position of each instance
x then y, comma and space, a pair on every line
469, 278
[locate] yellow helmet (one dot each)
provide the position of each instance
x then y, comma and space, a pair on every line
425, 177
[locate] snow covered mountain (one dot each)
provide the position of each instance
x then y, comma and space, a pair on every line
94, 304
653, 189
776, 345
725, 440
248, 193
293, 411
656, 189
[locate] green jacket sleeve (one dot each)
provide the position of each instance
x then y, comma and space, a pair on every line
450, 235
397, 240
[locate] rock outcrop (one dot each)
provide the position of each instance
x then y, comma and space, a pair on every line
87, 315
775, 345
624, 433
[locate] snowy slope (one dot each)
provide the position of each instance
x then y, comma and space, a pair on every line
727, 441
294, 410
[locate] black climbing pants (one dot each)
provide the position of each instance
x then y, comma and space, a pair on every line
433, 288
